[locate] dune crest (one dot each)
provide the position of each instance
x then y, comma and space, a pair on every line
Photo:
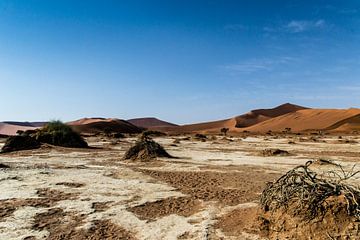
308, 119
101, 125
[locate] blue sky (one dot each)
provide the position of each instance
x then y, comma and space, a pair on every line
182, 61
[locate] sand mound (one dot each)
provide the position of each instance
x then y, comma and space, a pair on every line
274, 152
17, 143
303, 204
4, 166
103, 125
60, 134
305, 120
145, 149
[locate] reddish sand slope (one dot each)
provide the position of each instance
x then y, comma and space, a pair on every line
100, 125
248, 119
308, 119
260, 115
11, 129
151, 123
346, 125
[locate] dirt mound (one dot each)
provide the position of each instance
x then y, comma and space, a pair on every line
304, 204
60, 134
146, 149
103, 125
4, 166
17, 143
274, 152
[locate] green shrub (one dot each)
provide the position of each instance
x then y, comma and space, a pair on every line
60, 134
17, 143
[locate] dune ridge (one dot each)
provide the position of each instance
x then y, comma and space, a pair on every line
101, 125
307, 120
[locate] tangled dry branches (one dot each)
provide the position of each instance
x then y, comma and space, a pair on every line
306, 191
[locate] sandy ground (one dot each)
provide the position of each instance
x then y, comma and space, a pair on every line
208, 192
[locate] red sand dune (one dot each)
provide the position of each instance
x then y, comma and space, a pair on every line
248, 119
310, 119
151, 123
346, 125
100, 125
11, 129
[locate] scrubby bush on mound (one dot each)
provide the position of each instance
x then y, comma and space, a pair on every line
153, 133
2, 166
146, 149
274, 152
60, 134
16, 143
304, 204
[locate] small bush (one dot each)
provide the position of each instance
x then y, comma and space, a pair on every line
17, 143
60, 134
153, 133
274, 152
311, 204
146, 149
199, 135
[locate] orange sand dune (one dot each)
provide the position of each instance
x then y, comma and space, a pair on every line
346, 125
151, 123
100, 125
305, 120
248, 119
11, 129
260, 115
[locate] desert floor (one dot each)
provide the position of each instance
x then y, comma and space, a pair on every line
210, 191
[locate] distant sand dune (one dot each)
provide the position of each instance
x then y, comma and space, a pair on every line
151, 123
10, 129
306, 120
99, 125
234, 124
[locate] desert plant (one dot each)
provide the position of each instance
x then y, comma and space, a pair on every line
153, 133
146, 149
224, 131
308, 191
60, 134
308, 204
17, 143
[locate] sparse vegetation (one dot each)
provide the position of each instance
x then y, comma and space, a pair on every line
303, 200
60, 134
201, 137
17, 143
224, 131
274, 152
146, 149
153, 133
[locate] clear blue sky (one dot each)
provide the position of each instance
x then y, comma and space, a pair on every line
182, 61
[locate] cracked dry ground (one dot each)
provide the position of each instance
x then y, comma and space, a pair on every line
58, 193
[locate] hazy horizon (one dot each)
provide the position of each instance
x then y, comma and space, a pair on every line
181, 62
